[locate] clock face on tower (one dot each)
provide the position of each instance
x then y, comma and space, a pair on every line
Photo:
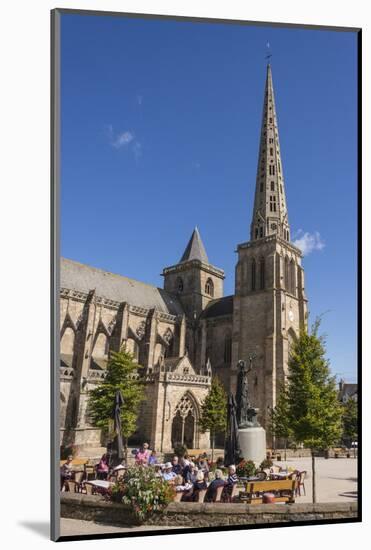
291, 315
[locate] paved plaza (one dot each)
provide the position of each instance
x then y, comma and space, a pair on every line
336, 478
336, 482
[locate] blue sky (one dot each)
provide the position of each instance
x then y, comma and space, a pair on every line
160, 132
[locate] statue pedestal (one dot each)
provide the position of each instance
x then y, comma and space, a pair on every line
253, 443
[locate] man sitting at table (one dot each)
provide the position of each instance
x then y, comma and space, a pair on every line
187, 469
168, 473
231, 481
177, 469
212, 489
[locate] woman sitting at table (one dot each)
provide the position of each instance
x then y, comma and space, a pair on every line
66, 471
199, 485
180, 486
103, 468
142, 455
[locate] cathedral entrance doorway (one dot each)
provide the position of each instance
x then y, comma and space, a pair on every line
183, 429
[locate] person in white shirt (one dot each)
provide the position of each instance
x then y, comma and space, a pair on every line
168, 473
180, 486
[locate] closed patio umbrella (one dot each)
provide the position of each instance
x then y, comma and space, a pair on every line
232, 446
116, 450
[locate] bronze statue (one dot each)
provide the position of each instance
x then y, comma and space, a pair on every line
246, 414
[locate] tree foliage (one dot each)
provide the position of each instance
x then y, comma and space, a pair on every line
122, 374
214, 409
350, 421
308, 409
280, 422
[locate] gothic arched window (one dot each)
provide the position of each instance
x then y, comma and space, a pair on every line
262, 273
287, 274
179, 284
253, 274
209, 287
228, 348
292, 277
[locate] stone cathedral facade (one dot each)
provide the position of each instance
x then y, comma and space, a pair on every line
188, 332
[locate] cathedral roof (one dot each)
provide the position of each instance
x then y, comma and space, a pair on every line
219, 307
181, 365
83, 278
195, 249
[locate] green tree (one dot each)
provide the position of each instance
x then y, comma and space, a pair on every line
309, 404
350, 421
122, 374
214, 412
279, 421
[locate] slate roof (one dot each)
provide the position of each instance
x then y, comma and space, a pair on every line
195, 249
83, 278
218, 307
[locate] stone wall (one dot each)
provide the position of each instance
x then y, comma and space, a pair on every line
193, 514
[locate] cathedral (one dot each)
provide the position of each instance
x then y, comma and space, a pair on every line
188, 332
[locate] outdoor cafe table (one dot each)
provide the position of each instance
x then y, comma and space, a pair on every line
99, 483
279, 475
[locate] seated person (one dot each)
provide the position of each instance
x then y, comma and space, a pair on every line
187, 469
220, 462
232, 476
103, 468
231, 480
168, 473
199, 485
66, 471
204, 467
194, 471
152, 459
212, 489
142, 455
117, 472
180, 486
158, 472
177, 469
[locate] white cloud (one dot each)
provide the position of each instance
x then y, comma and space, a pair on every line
307, 242
139, 99
122, 139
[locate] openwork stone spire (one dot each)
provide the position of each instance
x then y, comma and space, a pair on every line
270, 210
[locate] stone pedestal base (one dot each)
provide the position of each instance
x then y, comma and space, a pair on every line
253, 443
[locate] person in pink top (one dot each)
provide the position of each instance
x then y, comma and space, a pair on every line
103, 468
142, 456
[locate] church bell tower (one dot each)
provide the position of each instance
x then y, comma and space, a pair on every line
270, 307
